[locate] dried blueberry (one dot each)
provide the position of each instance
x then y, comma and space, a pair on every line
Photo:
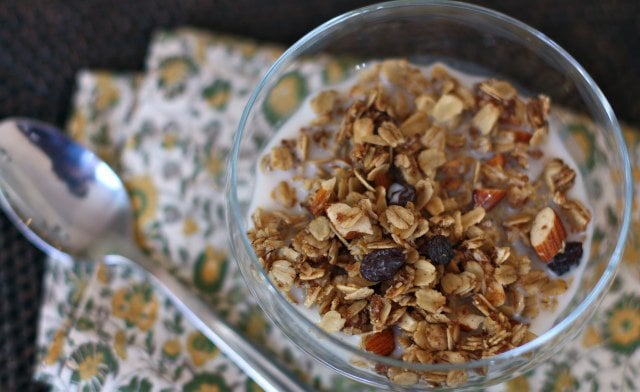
400, 194
381, 264
438, 249
563, 262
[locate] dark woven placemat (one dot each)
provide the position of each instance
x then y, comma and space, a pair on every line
20, 275
44, 43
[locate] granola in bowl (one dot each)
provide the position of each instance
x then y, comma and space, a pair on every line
425, 215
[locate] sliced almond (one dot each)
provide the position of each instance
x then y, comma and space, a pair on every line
447, 107
486, 118
320, 199
547, 234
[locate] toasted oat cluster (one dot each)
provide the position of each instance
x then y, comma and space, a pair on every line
420, 227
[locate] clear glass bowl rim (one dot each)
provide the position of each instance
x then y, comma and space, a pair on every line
514, 25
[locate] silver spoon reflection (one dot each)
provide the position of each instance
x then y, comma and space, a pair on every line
71, 205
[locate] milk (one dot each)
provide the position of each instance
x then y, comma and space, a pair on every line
265, 182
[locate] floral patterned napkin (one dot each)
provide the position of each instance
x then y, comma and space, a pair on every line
168, 133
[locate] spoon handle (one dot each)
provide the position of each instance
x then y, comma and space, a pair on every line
263, 370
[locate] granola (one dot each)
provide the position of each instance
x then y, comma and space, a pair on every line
421, 229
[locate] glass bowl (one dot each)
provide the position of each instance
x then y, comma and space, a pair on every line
472, 39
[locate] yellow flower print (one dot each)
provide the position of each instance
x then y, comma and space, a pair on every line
200, 52
78, 126
564, 382
632, 252
91, 363
338, 70
144, 197
55, 350
625, 326
630, 136
137, 305
89, 367
106, 94
210, 269
173, 74
622, 327
143, 311
189, 226
273, 52
248, 49
200, 349
171, 349
169, 140
120, 344
217, 94
103, 274
119, 305
334, 72
560, 379
214, 165
256, 325
285, 97
518, 384
591, 337
174, 71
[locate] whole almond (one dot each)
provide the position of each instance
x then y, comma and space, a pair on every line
547, 234
497, 161
381, 343
522, 136
487, 198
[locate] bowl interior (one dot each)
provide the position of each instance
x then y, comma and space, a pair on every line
469, 39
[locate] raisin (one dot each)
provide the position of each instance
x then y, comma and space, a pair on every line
381, 264
400, 194
438, 249
563, 262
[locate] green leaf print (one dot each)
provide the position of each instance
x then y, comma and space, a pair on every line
217, 94
175, 325
149, 345
84, 324
173, 74
136, 385
285, 97
209, 270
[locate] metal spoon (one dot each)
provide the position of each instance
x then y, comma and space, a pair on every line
71, 205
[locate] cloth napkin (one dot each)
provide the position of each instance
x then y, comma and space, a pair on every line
168, 132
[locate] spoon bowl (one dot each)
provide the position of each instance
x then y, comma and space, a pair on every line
62, 196
74, 207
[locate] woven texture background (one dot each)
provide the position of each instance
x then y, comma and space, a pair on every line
44, 43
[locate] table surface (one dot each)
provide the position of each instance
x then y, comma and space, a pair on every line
44, 43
